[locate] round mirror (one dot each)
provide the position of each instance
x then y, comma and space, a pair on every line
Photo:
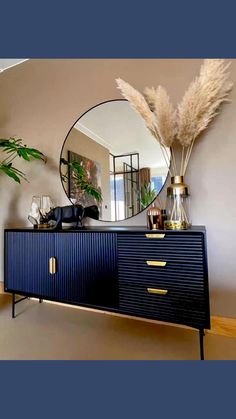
109, 159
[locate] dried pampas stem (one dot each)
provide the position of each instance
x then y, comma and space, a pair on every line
138, 103
173, 160
150, 96
157, 111
188, 154
201, 102
182, 162
166, 158
165, 120
160, 203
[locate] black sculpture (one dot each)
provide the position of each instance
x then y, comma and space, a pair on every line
71, 214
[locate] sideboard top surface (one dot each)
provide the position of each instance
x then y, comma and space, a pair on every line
107, 229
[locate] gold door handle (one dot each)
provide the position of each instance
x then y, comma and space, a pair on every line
52, 265
155, 236
155, 263
157, 291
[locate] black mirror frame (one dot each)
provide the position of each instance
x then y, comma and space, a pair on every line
104, 221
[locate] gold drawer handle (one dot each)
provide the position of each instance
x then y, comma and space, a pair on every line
157, 291
155, 236
52, 265
155, 263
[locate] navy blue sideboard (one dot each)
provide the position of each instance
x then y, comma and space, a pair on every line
159, 275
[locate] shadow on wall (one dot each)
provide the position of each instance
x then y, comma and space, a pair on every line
44, 169
46, 180
14, 194
13, 217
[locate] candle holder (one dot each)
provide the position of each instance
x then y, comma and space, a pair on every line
153, 218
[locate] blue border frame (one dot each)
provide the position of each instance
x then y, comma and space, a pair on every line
125, 29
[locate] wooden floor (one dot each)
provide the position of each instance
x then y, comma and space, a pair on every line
49, 331
223, 326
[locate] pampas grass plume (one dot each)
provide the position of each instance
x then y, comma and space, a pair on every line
202, 100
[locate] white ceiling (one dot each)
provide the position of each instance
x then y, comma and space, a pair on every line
120, 129
6, 63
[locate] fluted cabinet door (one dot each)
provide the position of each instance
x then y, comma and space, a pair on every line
86, 268
27, 257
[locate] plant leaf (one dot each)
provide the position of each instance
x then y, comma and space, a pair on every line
9, 171
15, 148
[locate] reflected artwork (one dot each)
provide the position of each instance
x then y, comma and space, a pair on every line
93, 172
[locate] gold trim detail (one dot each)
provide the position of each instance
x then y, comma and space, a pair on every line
155, 263
155, 236
176, 225
157, 291
52, 265
42, 226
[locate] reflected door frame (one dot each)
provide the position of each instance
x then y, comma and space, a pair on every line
129, 170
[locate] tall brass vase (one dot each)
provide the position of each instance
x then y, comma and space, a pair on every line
178, 205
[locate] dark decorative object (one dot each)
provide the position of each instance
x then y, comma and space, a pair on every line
163, 218
70, 214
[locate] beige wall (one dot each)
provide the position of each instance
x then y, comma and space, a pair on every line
41, 99
85, 146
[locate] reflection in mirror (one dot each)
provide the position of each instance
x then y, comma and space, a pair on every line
110, 159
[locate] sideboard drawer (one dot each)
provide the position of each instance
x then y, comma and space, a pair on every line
180, 274
165, 304
186, 248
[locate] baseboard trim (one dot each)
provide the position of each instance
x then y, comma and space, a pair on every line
221, 326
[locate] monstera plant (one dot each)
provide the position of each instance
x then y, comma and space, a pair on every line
12, 148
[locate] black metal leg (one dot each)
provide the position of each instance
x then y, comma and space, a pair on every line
14, 302
13, 305
40, 300
201, 337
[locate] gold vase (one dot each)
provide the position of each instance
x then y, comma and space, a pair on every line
178, 205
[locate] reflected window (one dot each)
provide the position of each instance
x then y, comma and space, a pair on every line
157, 182
117, 198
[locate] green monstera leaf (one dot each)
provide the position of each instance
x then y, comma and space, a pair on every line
14, 148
